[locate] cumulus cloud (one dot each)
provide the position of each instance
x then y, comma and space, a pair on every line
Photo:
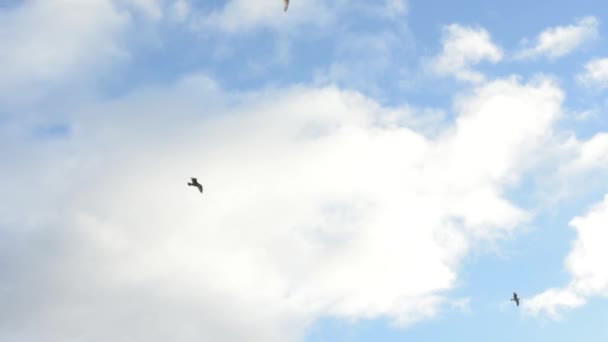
591, 154
586, 259
585, 263
583, 162
578, 166
317, 202
462, 48
559, 41
582, 165
595, 74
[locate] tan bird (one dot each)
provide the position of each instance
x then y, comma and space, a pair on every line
286, 5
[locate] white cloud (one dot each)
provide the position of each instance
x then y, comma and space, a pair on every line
315, 204
463, 47
244, 15
559, 41
462, 305
586, 260
396, 7
591, 154
181, 9
360, 58
583, 169
595, 74
47, 42
152, 8
586, 115
159, 9
552, 302
574, 168
585, 263
237, 16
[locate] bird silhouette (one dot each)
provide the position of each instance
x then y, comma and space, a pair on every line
286, 5
515, 298
196, 184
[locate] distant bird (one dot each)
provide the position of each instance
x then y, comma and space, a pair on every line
286, 5
515, 298
196, 184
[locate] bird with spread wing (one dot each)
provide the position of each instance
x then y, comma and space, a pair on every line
196, 184
515, 298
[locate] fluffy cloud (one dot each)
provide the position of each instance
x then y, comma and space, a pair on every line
595, 74
559, 41
591, 154
317, 202
585, 263
463, 47
584, 161
580, 166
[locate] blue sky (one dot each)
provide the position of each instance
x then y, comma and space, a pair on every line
373, 170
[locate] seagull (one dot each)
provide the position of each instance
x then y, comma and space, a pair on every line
196, 184
286, 5
515, 298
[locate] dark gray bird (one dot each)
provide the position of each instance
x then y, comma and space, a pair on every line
515, 298
196, 184
286, 5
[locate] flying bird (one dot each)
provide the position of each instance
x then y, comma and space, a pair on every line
196, 184
515, 298
286, 5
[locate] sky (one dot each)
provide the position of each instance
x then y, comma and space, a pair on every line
382, 170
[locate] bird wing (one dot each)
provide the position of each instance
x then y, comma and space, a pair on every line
286, 4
